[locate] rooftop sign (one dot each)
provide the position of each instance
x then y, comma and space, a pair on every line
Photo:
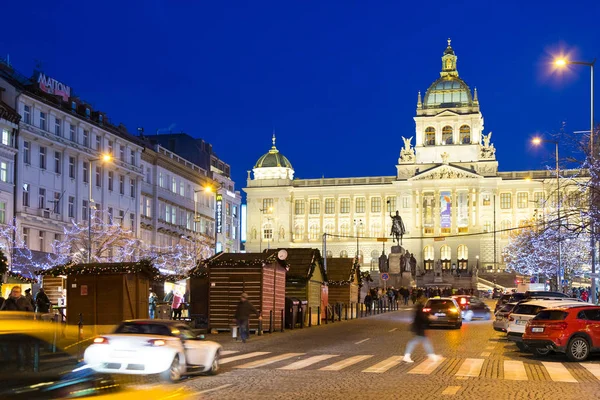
52, 86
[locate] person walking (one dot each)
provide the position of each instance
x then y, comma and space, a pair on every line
152, 299
42, 302
16, 302
176, 306
368, 303
29, 297
242, 315
418, 327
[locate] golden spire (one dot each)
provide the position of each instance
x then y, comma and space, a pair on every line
449, 41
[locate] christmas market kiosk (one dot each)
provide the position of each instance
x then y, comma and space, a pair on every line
343, 276
306, 280
260, 275
106, 293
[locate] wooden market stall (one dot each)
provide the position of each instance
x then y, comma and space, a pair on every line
199, 300
343, 279
260, 275
106, 293
306, 279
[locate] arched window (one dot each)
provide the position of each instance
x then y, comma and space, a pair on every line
360, 229
267, 232
447, 135
345, 229
375, 229
465, 134
374, 260
445, 252
343, 254
299, 232
462, 252
429, 136
329, 229
428, 256
329, 254
254, 234
504, 227
360, 257
313, 232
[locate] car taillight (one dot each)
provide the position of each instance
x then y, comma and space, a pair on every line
452, 310
560, 326
426, 309
156, 342
463, 301
100, 340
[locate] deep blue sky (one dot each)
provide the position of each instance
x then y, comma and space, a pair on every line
337, 81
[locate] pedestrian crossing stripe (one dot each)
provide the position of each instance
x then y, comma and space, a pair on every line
513, 370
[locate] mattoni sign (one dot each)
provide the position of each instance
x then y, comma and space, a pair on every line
52, 86
219, 216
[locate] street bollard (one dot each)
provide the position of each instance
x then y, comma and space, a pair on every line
346, 312
318, 315
301, 319
339, 312
326, 315
309, 317
282, 321
260, 327
79, 334
271, 326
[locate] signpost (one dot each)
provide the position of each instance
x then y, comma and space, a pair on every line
384, 277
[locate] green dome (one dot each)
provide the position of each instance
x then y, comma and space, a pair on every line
273, 159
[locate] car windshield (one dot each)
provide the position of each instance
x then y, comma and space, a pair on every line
143, 328
440, 303
516, 297
527, 309
507, 308
504, 299
551, 315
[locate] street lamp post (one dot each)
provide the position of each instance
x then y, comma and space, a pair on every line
537, 141
209, 189
104, 158
262, 210
357, 223
561, 62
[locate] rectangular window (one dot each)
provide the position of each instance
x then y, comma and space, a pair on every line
26, 237
132, 156
235, 211
27, 153
505, 201
267, 207
539, 199
86, 172
110, 215
27, 114
522, 200
84, 209
228, 209
122, 153
42, 198
315, 206
71, 207
42, 157
121, 217
72, 133
360, 205
147, 207
391, 204
329, 206
345, 206
174, 185
57, 162
132, 188
56, 203
161, 179
6, 137
181, 188
486, 200
2, 212
121, 184
72, 167
299, 207
132, 220
43, 121
405, 202
57, 125
375, 204
41, 236
98, 142
57, 237
98, 176
86, 138
3, 171
111, 176
26, 196
110, 147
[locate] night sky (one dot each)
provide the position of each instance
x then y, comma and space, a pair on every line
337, 81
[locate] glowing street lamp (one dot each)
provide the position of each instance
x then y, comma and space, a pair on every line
105, 158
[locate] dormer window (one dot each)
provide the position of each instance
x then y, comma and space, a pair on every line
100, 118
87, 112
430, 136
447, 135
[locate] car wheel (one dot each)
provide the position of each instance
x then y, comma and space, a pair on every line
468, 316
522, 346
541, 352
578, 349
214, 368
173, 374
457, 326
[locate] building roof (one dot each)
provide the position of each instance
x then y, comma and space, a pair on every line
273, 159
303, 262
241, 260
340, 269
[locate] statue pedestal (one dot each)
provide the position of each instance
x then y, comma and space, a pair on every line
437, 273
396, 249
407, 280
394, 261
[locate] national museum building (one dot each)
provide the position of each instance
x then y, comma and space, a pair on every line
456, 206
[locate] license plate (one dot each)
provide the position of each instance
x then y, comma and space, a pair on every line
440, 314
521, 322
537, 330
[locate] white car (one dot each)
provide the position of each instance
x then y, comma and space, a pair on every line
501, 317
525, 311
144, 347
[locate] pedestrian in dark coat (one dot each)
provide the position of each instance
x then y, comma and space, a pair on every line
418, 327
242, 315
42, 302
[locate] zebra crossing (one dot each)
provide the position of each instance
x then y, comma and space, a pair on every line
460, 368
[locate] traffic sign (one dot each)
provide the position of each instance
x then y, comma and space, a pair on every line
385, 276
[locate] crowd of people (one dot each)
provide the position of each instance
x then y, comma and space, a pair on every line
583, 293
380, 298
39, 303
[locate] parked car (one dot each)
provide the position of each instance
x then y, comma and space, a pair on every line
504, 299
501, 317
572, 329
144, 347
472, 307
445, 310
526, 310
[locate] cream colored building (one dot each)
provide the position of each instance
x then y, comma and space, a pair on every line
447, 188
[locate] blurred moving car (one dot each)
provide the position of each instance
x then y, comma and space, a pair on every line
526, 310
472, 307
572, 329
501, 317
145, 347
445, 310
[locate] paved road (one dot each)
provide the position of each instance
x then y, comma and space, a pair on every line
362, 359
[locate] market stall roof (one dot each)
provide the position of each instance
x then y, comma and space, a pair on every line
143, 266
303, 262
341, 269
238, 260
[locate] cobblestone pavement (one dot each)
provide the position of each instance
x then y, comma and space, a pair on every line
362, 359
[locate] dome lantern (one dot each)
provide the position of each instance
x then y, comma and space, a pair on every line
273, 165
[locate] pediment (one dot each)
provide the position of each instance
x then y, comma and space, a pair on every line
447, 113
445, 172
